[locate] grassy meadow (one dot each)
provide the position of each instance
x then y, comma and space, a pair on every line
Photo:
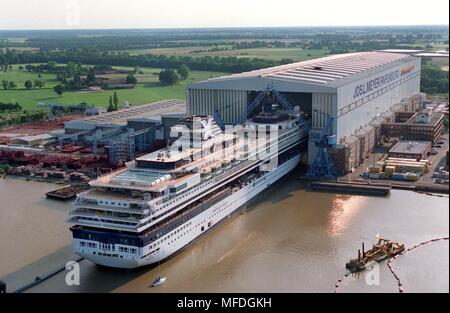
147, 90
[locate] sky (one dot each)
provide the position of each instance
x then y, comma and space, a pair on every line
80, 14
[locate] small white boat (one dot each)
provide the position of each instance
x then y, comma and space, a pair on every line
159, 281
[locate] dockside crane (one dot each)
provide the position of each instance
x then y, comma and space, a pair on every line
323, 166
218, 119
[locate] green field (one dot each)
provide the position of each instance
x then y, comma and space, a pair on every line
262, 53
147, 90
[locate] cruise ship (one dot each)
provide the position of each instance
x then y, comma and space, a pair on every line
165, 200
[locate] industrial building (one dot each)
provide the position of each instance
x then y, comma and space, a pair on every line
424, 125
32, 141
127, 131
361, 90
416, 150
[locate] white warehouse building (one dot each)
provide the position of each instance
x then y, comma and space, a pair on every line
356, 88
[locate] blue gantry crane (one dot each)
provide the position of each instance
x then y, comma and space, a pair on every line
270, 90
218, 119
322, 166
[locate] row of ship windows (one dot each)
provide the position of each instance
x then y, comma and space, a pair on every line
125, 249
170, 235
88, 244
107, 247
189, 230
112, 203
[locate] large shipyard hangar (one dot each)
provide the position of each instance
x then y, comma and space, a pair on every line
356, 88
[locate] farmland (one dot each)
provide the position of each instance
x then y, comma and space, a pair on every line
148, 89
294, 54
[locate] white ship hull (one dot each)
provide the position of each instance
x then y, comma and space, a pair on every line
174, 241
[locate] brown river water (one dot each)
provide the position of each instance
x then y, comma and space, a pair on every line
286, 240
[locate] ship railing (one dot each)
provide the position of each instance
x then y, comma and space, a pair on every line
111, 217
82, 222
109, 208
103, 207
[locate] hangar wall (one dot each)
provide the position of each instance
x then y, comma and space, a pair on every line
359, 102
230, 103
322, 105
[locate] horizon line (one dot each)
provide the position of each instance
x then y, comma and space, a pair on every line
218, 27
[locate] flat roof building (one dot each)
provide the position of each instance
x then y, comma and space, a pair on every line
33, 141
417, 150
120, 117
423, 126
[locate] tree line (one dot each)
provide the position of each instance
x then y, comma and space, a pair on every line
434, 80
11, 114
170, 38
101, 57
10, 107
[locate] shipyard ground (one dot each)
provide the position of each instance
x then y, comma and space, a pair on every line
425, 183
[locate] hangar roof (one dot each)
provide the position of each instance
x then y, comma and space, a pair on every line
331, 71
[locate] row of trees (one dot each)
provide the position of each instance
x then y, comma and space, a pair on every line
101, 57
8, 84
38, 83
18, 117
170, 38
12, 113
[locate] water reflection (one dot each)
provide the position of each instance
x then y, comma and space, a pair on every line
343, 210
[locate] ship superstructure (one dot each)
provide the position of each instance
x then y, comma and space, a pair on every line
164, 200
